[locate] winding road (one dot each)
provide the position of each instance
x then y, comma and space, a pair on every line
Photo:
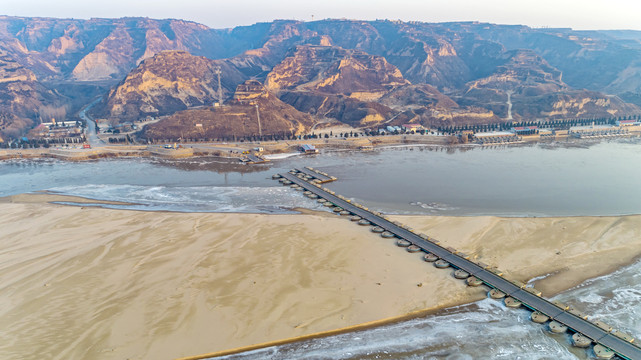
90, 131
509, 104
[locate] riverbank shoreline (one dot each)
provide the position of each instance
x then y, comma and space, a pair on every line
270, 148
177, 284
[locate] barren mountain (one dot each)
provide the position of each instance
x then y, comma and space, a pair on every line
424, 104
421, 95
24, 102
347, 69
97, 49
416, 49
572, 104
334, 70
168, 82
537, 91
254, 111
522, 72
333, 82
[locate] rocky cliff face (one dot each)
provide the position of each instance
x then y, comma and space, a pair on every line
24, 102
329, 81
334, 70
363, 82
170, 81
11, 70
96, 49
416, 49
356, 71
445, 55
78, 57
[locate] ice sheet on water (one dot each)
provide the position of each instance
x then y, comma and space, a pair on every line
195, 198
281, 156
484, 330
433, 207
614, 299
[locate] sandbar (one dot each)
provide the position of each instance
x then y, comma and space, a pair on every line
95, 283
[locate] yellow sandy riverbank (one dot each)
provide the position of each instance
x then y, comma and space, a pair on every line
96, 283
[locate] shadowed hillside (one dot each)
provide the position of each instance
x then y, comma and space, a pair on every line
253, 112
357, 72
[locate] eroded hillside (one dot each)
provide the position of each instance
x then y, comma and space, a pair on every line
363, 73
253, 112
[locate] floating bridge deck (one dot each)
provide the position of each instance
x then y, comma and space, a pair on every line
621, 347
254, 159
316, 174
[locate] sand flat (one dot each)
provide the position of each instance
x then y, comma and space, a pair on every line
96, 283
569, 249
110, 284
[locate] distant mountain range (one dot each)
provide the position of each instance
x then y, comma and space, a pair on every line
362, 73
